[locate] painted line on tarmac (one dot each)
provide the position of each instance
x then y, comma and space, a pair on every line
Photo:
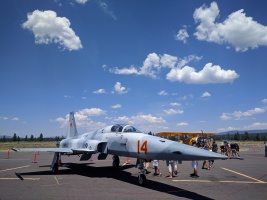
209, 181
14, 168
30, 179
244, 175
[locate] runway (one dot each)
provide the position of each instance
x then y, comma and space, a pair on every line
20, 178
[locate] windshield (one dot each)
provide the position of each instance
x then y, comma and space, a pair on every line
124, 128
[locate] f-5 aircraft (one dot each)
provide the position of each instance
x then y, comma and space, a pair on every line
123, 140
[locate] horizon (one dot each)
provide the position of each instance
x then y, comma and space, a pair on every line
157, 65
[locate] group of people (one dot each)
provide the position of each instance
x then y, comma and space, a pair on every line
173, 165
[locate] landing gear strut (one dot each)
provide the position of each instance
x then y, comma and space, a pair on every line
54, 164
116, 161
141, 176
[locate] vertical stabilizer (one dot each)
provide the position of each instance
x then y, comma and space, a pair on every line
72, 130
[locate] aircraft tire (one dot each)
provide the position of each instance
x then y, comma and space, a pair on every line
142, 180
116, 162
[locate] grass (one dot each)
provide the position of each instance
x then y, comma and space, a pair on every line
4, 146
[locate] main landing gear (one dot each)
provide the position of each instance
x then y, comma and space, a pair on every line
54, 164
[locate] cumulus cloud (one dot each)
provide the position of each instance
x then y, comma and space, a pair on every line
153, 64
238, 30
178, 70
237, 115
264, 101
206, 94
83, 119
182, 35
120, 89
173, 112
100, 91
47, 28
209, 74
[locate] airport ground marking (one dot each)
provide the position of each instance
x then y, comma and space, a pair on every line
243, 175
14, 168
209, 181
30, 179
56, 180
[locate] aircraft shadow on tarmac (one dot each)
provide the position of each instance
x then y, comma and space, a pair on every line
121, 175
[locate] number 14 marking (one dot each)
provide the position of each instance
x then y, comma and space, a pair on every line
142, 148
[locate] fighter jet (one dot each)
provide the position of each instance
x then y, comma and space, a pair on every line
123, 140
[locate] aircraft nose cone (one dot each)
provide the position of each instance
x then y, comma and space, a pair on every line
202, 154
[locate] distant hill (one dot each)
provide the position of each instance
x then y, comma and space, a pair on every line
243, 132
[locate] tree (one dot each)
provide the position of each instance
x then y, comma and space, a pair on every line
31, 138
18, 139
4, 138
40, 138
14, 138
237, 136
26, 138
246, 136
150, 133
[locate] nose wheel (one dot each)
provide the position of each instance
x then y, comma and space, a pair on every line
116, 161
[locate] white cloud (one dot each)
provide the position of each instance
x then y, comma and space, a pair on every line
48, 28
257, 125
237, 115
230, 128
162, 93
4, 118
182, 124
68, 97
153, 64
206, 94
173, 112
209, 74
179, 72
100, 91
182, 35
141, 119
120, 89
106, 9
81, 1
83, 120
264, 101
238, 30
116, 106
175, 104
15, 119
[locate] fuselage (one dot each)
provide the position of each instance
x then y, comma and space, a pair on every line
125, 140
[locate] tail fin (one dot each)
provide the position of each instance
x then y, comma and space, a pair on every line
72, 130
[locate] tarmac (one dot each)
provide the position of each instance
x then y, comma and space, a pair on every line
232, 179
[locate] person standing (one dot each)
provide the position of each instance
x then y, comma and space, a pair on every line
214, 148
156, 167
194, 164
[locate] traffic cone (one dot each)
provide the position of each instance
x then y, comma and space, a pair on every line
34, 157
59, 159
8, 154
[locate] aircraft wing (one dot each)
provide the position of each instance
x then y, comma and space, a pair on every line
59, 150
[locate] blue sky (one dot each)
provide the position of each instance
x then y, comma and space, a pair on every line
158, 65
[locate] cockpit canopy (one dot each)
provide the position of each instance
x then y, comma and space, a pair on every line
124, 128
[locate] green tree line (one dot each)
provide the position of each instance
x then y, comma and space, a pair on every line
41, 138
